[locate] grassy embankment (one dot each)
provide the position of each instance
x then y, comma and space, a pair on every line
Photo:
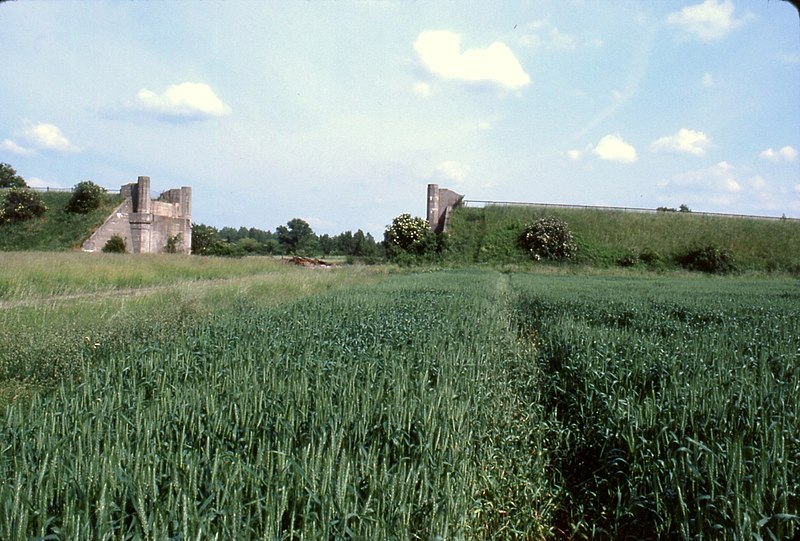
604, 237
57, 230
467, 404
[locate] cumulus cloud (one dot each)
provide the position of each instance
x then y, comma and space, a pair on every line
613, 148
786, 153
452, 170
440, 53
543, 34
36, 182
422, 90
14, 148
48, 137
722, 176
710, 21
685, 141
732, 185
758, 183
574, 155
790, 58
184, 101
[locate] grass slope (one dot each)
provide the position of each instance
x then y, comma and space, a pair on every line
57, 230
489, 235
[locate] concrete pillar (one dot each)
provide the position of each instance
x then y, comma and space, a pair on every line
186, 202
140, 236
143, 195
141, 219
186, 215
433, 206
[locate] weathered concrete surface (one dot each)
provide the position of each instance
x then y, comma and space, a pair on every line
441, 202
147, 225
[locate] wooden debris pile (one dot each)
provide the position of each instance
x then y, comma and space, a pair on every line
310, 262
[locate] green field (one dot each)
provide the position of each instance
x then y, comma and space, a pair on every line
284, 403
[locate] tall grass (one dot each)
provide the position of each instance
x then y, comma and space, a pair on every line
33, 275
58, 308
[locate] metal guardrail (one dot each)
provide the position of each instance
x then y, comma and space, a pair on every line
481, 204
53, 189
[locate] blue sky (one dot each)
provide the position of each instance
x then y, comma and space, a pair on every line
341, 113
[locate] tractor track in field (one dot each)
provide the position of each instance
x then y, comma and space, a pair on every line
102, 294
91, 295
128, 292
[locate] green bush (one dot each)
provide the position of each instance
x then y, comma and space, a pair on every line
648, 257
548, 238
20, 204
86, 196
708, 259
409, 238
9, 177
174, 243
115, 245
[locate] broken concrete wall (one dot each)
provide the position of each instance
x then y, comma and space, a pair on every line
147, 225
441, 202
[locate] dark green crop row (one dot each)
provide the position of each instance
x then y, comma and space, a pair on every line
447, 405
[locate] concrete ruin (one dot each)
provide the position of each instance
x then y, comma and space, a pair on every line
149, 226
441, 202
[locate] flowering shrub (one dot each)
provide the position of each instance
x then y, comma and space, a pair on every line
408, 236
86, 196
20, 204
548, 238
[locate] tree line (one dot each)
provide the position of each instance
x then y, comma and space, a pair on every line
295, 238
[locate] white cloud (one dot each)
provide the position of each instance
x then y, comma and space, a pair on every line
685, 141
574, 155
708, 80
758, 183
613, 148
49, 137
36, 182
786, 153
14, 148
440, 52
184, 101
710, 21
790, 58
544, 34
720, 176
720, 185
318, 223
484, 125
452, 171
422, 90
732, 185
